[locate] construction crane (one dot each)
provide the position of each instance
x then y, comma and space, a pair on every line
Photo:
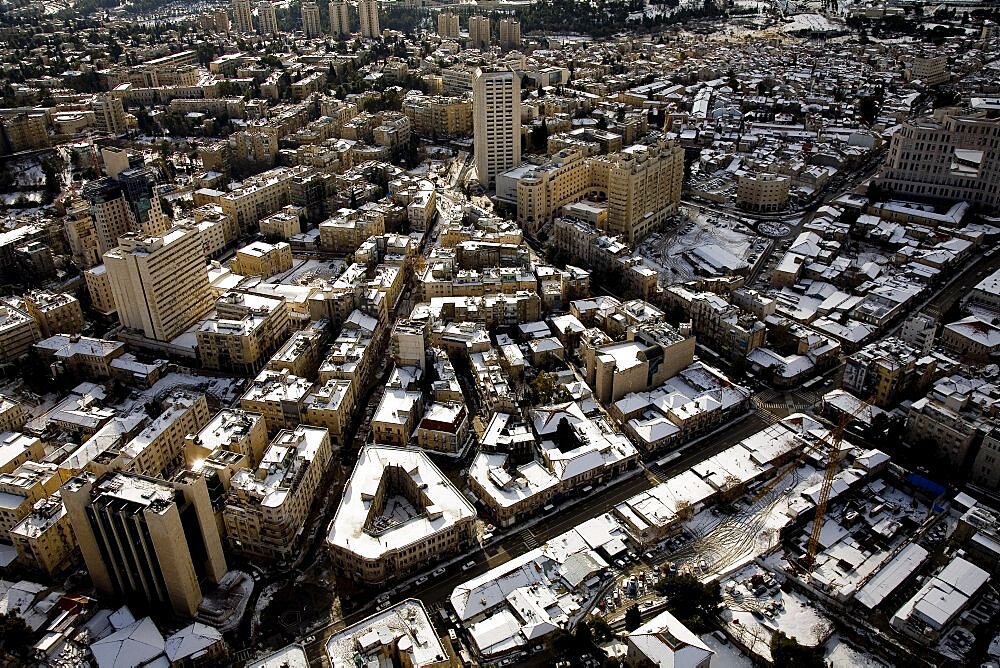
833, 440
828, 476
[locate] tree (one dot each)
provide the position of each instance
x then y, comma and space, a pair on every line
544, 388
52, 184
694, 603
584, 637
566, 436
563, 643
15, 638
600, 629
787, 651
633, 619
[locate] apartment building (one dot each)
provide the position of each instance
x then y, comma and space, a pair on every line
510, 34
762, 192
931, 70
368, 15
81, 234
887, 371
266, 508
310, 20
955, 415
17, 448
497, 310
651, 355
439, 115
12, 414
262, 259
279, 397
408, 344
243, 333
352, 354
330, 405
159, 448
231, 429
398, 513
44, 539
266, 18
986, 466
259, 197
302, 353
54, 312
447, 25
102, 298
18, 332
945, 157
159, 284
109, 210
282, 225
28, 131
348, 229
496, 111
440, 279
24, 486
396, 417
480, 31
457, 79
584, 244
243, 16
443, 428
146, 540
340, 23
109, 114
918, 332
730, 330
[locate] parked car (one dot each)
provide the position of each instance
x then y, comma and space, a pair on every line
467, 565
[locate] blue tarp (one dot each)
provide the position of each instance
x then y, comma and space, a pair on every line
929, 486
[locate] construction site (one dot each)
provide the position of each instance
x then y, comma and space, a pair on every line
811, 535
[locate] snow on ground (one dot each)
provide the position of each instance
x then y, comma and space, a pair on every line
10, 199
224, 389
841, 655
727, 655
665, 251
727, 542
756, 607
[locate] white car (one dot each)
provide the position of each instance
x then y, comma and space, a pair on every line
438, 572
467, 565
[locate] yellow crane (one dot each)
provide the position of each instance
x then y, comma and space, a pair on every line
833, 439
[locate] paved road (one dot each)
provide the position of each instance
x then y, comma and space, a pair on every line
943, 301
